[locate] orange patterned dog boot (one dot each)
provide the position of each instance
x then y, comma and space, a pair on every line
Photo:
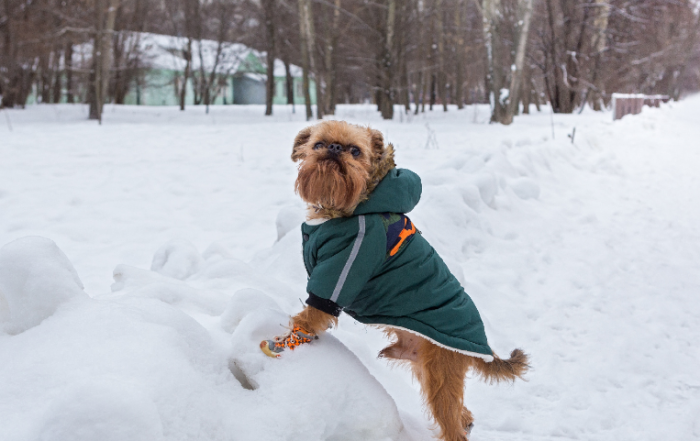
298, 336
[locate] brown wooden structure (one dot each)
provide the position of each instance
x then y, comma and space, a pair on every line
631, 104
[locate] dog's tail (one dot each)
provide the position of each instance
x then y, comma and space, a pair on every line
500, 370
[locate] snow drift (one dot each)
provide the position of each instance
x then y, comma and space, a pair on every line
35, 279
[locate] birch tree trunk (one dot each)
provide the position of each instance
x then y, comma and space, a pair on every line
330, 65
517, 73
102, 50
492, 17
311, 41
106, 59
599, 44
387, 99
305, 54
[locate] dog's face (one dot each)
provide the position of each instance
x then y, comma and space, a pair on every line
337, 162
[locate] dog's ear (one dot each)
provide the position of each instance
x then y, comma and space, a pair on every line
301, 139
377, 142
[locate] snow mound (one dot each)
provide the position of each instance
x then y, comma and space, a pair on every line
242, 303
525, 188
113, 411
137, 282
178, 259
288, 219
35, 279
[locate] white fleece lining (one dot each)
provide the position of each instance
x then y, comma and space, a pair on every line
314, 222
486, 358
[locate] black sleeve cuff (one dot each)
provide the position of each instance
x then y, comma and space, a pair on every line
327, 306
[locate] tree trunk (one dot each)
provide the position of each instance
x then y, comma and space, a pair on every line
559, 96
68, 63
419, 96
526, 89
440, 35
305, 56
599, 44
459, 58
107, 44
56, 77
311, 42
7, 86
102, 55
490, 9
269, 10
45, 78
388, 67
517, 73
330, 63
289, 82
94, 95
187, 54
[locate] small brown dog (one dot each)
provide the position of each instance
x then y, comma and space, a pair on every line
365, 257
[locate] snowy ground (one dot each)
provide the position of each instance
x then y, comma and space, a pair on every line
183, 228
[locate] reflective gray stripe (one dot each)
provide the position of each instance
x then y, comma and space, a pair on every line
351, 259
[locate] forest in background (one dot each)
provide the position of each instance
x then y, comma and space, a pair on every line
419, 54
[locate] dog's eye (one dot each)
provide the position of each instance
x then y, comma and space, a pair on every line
318, 145
355, 151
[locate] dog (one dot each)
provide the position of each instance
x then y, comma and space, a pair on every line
365, 257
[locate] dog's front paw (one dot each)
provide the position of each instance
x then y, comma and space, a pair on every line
298, 336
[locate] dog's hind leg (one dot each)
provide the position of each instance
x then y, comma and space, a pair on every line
405, 346
441, 373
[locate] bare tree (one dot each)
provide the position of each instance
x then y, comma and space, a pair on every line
306, 55
388, 62
106, 11
492, 28
269, 17
330, 59
516, 77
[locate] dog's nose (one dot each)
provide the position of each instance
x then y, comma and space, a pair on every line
335, 149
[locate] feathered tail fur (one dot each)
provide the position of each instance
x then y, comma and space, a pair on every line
500, 370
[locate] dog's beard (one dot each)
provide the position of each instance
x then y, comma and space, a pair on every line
331, 183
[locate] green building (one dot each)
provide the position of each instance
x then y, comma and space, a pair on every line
240, 73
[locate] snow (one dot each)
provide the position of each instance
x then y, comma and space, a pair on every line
35, 279
178, 259
184, 229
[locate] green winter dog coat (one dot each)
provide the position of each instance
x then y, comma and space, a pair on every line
378, 268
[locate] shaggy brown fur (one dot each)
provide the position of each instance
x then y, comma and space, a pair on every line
311, 319
441, 374
333, 186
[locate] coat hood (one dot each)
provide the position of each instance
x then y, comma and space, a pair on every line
398, 192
